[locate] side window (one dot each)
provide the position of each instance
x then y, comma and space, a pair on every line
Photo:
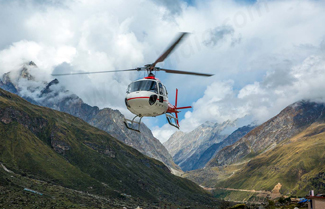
161, 89
166, 92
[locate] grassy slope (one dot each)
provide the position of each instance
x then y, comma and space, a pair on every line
25, 147
13, 195
210, 175
297, 163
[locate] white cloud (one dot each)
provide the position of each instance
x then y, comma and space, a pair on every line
264, 55
162, 133
258, 101
45, 56
273, 66
251, 89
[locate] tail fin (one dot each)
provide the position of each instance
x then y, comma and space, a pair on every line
176, 98
178, 108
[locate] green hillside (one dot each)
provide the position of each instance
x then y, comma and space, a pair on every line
13, 195
59, 149
297, 163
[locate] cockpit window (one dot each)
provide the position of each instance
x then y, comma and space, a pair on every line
143, 86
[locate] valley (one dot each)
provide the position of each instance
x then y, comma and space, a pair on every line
162, 104
236, 163
290, 154
43, 145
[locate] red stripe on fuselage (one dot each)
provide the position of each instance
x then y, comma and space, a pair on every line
143, 98
138, 98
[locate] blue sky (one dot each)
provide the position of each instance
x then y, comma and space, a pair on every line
265, 54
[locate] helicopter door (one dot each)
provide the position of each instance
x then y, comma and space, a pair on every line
162, 93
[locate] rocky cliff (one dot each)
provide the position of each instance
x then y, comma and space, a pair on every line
212, 151
285, 125
296, 163
53, 95
187, 148
287, 149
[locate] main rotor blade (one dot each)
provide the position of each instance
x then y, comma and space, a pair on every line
170, 49
184, 72
111, 71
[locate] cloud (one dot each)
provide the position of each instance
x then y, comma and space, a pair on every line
45, 56
258, 101
162, 133
173, 6
279, 61
264, 55
219, 34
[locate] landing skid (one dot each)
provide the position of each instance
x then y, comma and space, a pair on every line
131, 123
173, 121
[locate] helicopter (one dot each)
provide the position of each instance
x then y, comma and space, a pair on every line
148, 97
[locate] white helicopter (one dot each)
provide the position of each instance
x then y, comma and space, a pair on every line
148, 97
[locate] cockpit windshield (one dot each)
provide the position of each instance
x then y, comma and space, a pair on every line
144, 85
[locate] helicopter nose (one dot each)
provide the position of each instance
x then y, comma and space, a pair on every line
126, 102
138, 101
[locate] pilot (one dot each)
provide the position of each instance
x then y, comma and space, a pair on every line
153, 87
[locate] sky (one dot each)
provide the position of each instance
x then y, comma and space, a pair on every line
265, 55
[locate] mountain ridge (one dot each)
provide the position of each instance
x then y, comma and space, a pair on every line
193, 150
191, 145
287, 149
61, 149
212, 151
286, 124
296, 163
55, 96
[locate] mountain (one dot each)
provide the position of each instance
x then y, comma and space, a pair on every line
286, 152
289, 122
297, 163
212, 151
52, 159
187, 148
55, 96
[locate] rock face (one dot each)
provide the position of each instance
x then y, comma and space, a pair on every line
44, 147
216, 147
55, 96
286, 151
187, 148
285, 125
